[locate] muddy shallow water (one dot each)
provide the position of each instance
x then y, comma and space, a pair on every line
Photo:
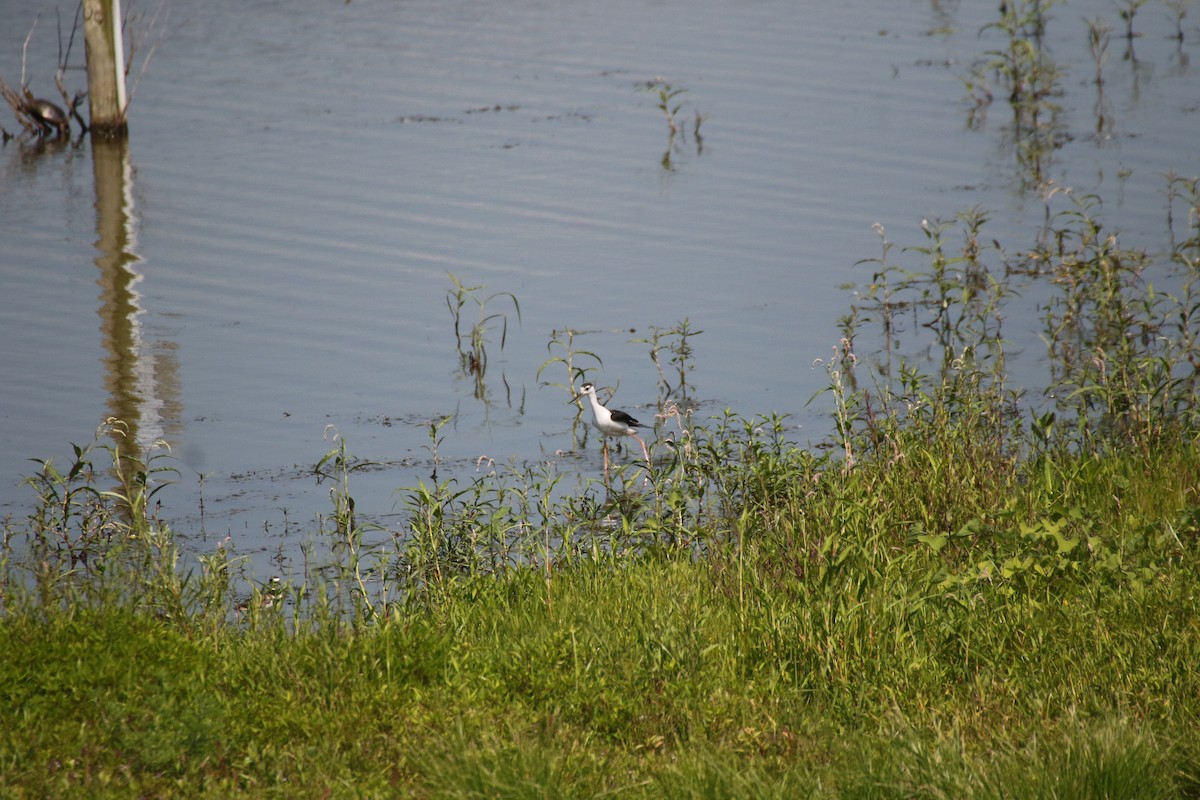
271, 255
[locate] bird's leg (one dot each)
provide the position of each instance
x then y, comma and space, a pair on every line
605, 450
645, 452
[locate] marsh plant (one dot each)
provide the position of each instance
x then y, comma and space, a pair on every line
1127, 10
1099, 34
473, 354
354, 564
1120, 326
1123, 352
1179, 10
671, 106
1030, 81
94, 535
877, 296
433, 428
576, 363
1185, 245
673, 344
77, 520
1122, 374
668, 102
950, 292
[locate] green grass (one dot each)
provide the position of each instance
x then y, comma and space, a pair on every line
669, 685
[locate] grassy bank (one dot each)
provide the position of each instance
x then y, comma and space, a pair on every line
1042, 645
967, 590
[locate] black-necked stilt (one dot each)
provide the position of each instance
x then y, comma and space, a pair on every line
611, 422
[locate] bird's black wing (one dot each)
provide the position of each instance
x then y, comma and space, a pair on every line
625, 419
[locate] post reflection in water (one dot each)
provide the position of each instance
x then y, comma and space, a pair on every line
141, 376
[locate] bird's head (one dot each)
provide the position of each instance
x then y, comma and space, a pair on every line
584, 390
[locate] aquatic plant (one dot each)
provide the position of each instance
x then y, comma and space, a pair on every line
1179, 10
347, 528
671, 109
1099, 33
667, 95
564, 340
473, 356
1122, 352
1120, 346
95, 537
676, 341
1031, 80
1128, 11
1185, 247
75, 521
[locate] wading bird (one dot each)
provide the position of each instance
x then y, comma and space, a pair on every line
611, 422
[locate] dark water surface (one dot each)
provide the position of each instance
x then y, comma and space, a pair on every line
269, 257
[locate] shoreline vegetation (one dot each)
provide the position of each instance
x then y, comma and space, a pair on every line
968, 590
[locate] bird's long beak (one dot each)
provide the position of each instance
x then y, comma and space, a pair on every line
574, 399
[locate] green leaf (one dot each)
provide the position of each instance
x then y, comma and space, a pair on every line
936, 541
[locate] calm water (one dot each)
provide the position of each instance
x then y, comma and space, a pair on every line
270, 255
